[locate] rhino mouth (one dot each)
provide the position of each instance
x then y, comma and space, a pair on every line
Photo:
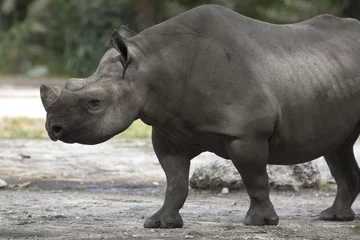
57, 131
64, 138
72, 136
67, 140
52, 137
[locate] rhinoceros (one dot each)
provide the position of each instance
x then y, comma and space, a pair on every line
213, 80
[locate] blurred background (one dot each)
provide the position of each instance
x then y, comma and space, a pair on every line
47, 38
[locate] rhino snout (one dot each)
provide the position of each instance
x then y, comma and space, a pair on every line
56, 131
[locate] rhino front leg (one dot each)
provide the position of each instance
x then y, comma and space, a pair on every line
250, 157
175, 160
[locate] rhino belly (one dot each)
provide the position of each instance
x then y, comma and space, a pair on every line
307, 132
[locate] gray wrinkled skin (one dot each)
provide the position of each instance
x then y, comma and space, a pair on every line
213, 80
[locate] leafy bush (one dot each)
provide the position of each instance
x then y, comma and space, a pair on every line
67, 37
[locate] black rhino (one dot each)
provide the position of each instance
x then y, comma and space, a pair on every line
213, 80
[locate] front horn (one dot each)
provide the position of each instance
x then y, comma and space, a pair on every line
49, 95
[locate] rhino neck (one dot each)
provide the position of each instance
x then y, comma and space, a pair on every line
162, 81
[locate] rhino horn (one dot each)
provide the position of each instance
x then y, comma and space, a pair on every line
75, 84
49, 95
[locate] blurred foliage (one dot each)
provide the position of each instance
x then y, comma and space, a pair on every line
66, 37
57, 36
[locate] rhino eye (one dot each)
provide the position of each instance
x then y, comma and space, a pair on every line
94, 102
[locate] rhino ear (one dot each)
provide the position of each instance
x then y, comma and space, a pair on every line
126, 32
119, 43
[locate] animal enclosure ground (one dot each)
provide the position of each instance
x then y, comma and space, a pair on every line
83, 215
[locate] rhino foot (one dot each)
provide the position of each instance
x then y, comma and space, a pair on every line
165, 220
336, 214
261, 220
261, 215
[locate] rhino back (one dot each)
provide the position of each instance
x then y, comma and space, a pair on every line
298, 84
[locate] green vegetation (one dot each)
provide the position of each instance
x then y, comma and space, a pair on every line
357, 228
42, 37
22, 128
137, 130
326, 187
57, 37
29, 128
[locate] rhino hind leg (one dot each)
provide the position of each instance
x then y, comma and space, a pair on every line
175, 161
345, 170
250, 158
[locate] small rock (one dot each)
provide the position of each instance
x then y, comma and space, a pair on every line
25, 222
215, 174
188, 236
24, 156
3, 184
225, 190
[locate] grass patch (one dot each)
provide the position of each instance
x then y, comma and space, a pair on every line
137, 130
33, 128
357, 227
25, 128
325, 187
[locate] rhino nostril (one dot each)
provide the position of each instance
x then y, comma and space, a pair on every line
57, 130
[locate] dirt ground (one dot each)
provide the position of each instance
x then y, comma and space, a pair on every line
83, 215
107, 191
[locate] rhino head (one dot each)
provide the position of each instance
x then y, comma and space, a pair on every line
93, 110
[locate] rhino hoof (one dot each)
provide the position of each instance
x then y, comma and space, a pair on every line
333, 214
173, 220
258, 220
